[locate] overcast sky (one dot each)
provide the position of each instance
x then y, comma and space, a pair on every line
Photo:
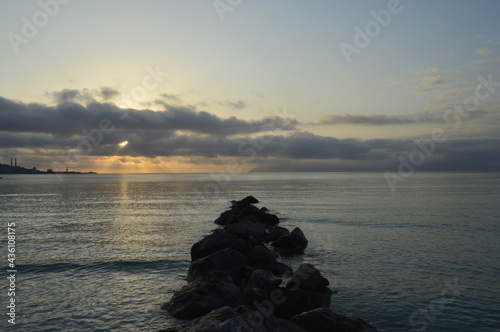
242, 85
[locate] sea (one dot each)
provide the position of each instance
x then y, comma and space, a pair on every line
103, 252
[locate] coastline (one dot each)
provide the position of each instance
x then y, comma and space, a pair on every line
9, 169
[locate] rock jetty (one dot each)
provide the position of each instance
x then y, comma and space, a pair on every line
236, 283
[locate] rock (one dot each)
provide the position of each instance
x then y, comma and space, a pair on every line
263, 279
306, 290
259, 282
242, 319
250, 200
325, 320
307, 277
248, 230
245, 210
261, 320
277, 231
269, 219
216, 241
211, 290
282, 270
208, 323
296, 301
262, 257
223, 218
231, 261
242, 246
293, 243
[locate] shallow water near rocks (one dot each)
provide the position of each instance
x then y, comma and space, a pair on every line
103, 252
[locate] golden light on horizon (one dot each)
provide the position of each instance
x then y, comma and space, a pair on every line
122, 144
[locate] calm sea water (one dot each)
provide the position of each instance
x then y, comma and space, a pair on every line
103, 252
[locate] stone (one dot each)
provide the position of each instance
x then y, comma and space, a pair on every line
277, 231
248, 230
325, 320
250, 200
262, 257
293, 243
216, 241
296, 301
307, 277
231, 261
212, 290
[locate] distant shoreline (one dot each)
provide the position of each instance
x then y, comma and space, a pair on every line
8, 169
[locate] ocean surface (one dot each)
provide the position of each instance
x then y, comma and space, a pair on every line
104, 252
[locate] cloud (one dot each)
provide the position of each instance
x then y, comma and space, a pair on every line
43, 134
425, 71
83, 96
483, 51
428, 84
479, 154
383, 120
236, 105
70, 118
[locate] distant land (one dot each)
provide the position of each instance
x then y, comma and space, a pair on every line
8, 169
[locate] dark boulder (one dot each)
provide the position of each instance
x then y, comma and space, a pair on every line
254, 232
306, 290
209, 323
281, 269
277, 231
250, 200
263, 279
260, 320
216, 241
293, 243
307, 277
325, 320
231, 261
245, 210
263, 258
242, 319
211, 290
259, 282
296, 301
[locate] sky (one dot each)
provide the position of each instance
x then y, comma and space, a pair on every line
122, 86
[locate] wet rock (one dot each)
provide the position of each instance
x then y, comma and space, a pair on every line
208, 323
282, 270
293, 243
307, 277
305, 291
277, 231
216, 241
231, 261
325, 320
248, 230
212, 290
245, 210
250, 200
296, 301
263, 258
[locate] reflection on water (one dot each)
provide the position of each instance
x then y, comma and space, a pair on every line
107, 250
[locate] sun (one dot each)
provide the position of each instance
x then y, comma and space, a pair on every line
122, 144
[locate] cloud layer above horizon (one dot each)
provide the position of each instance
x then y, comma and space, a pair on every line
79, 134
